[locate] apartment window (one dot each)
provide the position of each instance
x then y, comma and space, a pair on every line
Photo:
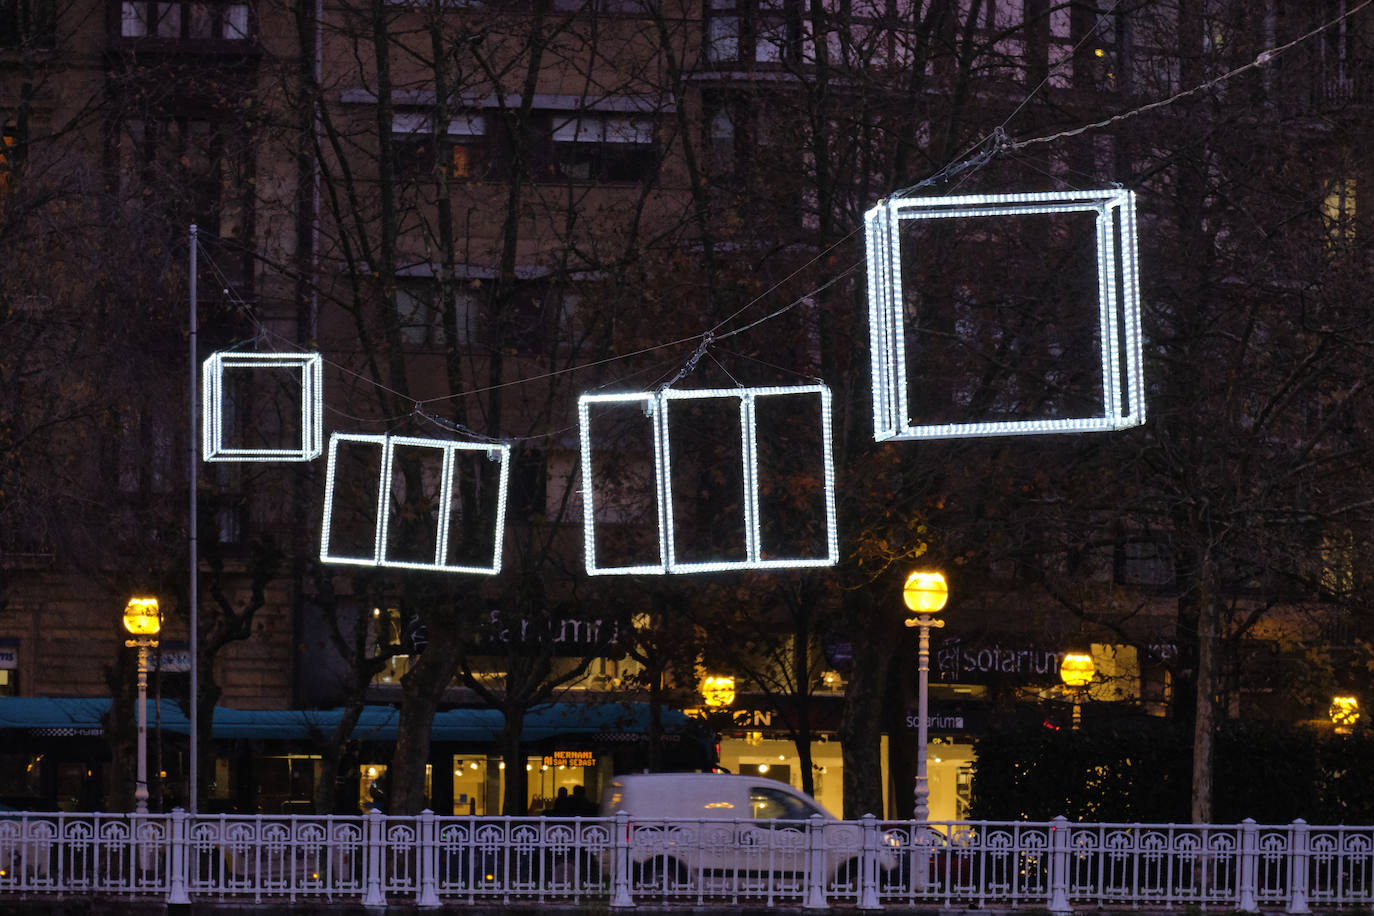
598, 147
28, 24
210, 159
1338, 563
736, 131
462, 151
605, 6
186, 21
1144, 562
420, 311
762, 31
1338, 212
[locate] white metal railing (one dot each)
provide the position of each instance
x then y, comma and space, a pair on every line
429, 860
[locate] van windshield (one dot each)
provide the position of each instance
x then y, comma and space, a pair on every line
767, 803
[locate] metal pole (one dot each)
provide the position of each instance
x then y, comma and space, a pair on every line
194, 593
141, 788
925, 623
922, 812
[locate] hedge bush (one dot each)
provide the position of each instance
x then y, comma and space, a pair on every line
1139, 770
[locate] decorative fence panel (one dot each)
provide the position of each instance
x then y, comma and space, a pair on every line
429, 860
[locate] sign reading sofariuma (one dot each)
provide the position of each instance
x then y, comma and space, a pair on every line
956, 661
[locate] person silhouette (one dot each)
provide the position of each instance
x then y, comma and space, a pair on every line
581, 804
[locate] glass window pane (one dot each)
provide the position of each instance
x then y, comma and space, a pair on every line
236, 21
134, 20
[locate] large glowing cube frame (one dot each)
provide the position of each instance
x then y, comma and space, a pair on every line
655, 405
311, 367
388, 445
1118, 307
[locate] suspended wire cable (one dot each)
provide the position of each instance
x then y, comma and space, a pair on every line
1261, 59
976, 156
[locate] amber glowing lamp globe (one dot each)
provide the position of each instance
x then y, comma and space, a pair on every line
925, 592
718, 690
1344, 711
1077, 669
141, 617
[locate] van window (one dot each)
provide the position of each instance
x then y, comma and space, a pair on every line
774, 804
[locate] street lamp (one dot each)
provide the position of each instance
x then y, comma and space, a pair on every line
1076, 671
143, 622
718, 690
1344, 713
925, 594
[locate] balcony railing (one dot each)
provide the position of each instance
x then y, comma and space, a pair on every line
426, 860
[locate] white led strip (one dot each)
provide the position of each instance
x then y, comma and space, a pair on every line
388, 445
1118, 307
312, 405
656, 410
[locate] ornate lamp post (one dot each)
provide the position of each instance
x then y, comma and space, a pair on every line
925, 594
1076, 671
142, 620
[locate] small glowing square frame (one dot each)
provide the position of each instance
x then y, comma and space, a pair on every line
1118, 307
312, 405
449, 449
655, 406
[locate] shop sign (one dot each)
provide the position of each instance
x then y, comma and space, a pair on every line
956, 660
753, 718
567, 637
173, 661
958, 717
9, 658
570, 759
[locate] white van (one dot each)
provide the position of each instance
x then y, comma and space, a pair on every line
724, 830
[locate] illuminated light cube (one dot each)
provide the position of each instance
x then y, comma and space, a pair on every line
1118, 309
656, 409
443, 503
213, 371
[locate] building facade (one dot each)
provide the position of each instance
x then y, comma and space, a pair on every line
477, 212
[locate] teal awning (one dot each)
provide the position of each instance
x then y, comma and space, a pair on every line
610, 722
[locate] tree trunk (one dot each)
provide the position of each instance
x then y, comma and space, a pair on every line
422, 688
513, 803
326, 790
1204, 725
656, 722
859, 733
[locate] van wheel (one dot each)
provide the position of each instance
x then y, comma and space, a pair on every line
662, 873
